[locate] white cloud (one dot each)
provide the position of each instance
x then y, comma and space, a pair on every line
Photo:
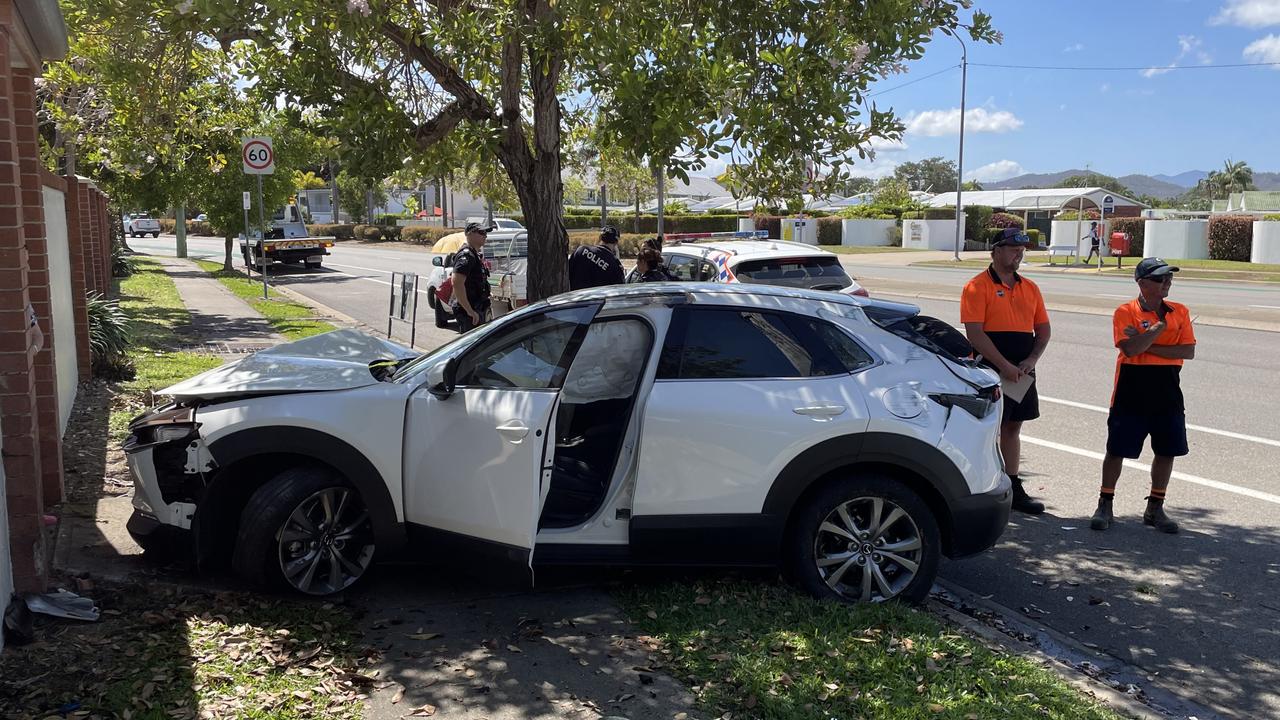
1188, 45
885, 145
1266, 49
1248, 13
996, 171
936, 123
1073, 48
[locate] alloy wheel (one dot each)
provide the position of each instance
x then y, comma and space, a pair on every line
868, 549
326, 544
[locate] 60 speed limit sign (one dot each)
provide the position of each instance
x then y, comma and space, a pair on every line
258, 156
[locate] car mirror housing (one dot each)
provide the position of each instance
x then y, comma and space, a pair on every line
441, 377
437, 261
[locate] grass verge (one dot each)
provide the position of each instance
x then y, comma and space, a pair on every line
764, 651
291, 319
156, 312
1191, 269
178, 655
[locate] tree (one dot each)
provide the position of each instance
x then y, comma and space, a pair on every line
972, 186
355, 192
1097, 180
1236, 176
892, 192
670, 82
933, 174
856, 186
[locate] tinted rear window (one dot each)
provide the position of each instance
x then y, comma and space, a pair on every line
814, 273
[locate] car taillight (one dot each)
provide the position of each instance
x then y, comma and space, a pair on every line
861, 292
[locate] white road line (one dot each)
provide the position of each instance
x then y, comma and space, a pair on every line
1267, 307
1122, 297
357, 267
369, 279
1197, 428
1193, 479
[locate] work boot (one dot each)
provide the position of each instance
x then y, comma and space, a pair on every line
1022, 502
1102, 518
1155, 517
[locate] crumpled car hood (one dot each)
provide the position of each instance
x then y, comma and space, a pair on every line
337, 360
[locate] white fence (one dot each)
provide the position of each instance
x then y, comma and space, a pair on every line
60, 296
1181, 239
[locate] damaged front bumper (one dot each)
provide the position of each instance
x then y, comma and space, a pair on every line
170, 464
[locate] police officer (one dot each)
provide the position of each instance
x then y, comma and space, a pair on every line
598, 265
470, 299
1005, 319
649, 267
1154, 337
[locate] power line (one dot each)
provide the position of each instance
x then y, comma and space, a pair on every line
913, 82
1161, 68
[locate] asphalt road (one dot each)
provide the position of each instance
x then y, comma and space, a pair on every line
1198, 612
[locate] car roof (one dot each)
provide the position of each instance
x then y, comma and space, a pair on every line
751, 249
710, 291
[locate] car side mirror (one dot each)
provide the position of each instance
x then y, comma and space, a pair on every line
441, 377
437, 261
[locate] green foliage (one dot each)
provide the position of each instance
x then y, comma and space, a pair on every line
675, 207
628, 244
1089, 214
977, 218
1004, 220
1236, 176
935, 174
1136, 228
1273, 217
425, 234
942, 213
338, 232
891, 191
370, 233
830, 231
110, 336
875, 212
353, 195
308, 181
649, 223
122, 263
1231, 237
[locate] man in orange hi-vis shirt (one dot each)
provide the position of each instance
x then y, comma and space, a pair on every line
1007, 324
1154, 337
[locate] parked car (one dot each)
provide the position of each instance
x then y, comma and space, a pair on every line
653, 423
499, 223
750, 257
202, 217
141, 225
506, 255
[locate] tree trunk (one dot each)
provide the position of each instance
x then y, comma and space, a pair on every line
226, 262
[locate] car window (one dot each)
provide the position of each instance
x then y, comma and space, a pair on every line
707, 272
533, 354
682, 266
723, 343
817, 272
850, 354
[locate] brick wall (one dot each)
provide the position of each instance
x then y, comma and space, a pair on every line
18, 358
77, 249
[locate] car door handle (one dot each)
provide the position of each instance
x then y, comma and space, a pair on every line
513, 430
820, 411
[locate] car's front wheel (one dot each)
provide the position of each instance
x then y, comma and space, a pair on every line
306, 529
865, 539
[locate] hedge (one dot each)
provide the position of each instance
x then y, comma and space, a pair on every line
1272, 217
942, 213
340, 232
771, 223
1089, 214
830, 231
1136, 228
990, 235
1004, 220
1231, 237
977, 218
649, 223
425, 234
628, 243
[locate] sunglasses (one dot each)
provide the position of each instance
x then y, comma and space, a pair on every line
1163, 280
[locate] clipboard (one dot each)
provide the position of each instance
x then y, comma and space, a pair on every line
1015, 391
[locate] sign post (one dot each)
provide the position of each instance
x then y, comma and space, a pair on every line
259, 158
246, 203
1108, 205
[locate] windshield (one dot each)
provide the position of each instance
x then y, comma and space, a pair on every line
412, 369
814, 273
932, 334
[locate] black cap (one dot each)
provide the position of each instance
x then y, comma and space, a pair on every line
1012, 236
609, 234
1152, 267
477, 227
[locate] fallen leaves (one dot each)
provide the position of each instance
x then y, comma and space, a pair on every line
421, 711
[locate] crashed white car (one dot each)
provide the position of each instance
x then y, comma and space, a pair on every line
685, 423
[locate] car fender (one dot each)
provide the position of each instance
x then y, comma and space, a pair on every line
389, 532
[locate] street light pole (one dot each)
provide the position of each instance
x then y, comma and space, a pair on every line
964, 74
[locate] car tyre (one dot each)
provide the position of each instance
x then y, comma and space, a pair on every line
442, 316
431, 298
155, 234
866, 538
311, 265
306, 530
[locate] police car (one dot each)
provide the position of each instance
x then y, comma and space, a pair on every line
750, 257
681, 423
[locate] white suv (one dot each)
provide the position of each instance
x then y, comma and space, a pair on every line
659, 423
759, 261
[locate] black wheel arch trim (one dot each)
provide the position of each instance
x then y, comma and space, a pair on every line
388, 531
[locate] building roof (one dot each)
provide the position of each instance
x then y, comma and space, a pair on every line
1256, 201
1039, 199
698, 187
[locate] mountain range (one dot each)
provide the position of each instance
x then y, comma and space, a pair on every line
1161, 186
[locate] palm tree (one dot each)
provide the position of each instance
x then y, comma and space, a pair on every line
1236, 176
1211, 184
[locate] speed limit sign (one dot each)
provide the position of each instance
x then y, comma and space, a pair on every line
258, 156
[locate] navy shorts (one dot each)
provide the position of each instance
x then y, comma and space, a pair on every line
1027, 409
1127, 431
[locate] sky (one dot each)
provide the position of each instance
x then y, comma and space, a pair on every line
1160, 119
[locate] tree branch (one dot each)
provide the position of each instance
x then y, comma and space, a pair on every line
435, 129
477, 107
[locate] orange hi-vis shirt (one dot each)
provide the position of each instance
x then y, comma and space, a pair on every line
1009, 315
1147, 382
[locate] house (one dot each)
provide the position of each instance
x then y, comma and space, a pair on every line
1257, 202
55, 246
1038, 207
